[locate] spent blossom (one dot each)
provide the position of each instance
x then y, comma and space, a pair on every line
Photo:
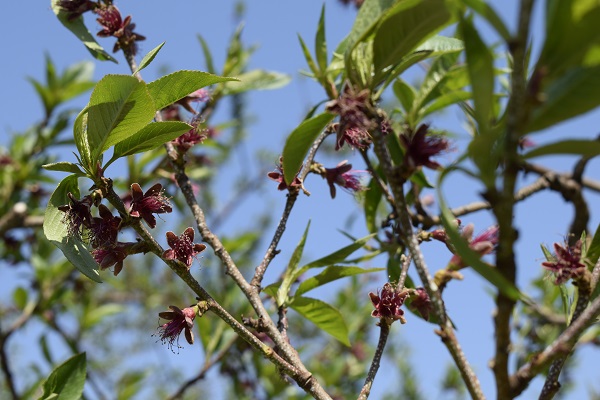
143, 205
387, 303
194, 136
484, 243
183, 247
420, 147
566, 263
112, 255
179, 320
354, 109
345, 177
109, 17
277, 176
77, 215
75, 8
104, 229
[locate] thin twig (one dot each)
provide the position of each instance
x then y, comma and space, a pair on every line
404, 271
384, 331
541, 170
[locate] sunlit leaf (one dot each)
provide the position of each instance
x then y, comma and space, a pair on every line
148, 58
257, 79
586, 148
331, 274
324, 316
67, 380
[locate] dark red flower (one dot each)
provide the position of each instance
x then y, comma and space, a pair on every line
200, 95
112, 255
104, 230
77, 215
143, 205
114, 25
343, 176
484, 243
420, 147
75, 8
179, 320
190, 138
277, 176
353, 107
567, 263
421, 302
387, 303
183, 247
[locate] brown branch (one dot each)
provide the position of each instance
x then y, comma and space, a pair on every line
384, 332
6, 369
541, 170
562, 345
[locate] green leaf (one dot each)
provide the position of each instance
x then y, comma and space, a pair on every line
148, 58
366, 20
307, 56
78, 28
574, 93
593, 253
67, 380
20, 297
299, 142
210, 67
320, 43
55, 230
586, 148
405, 93
98, 313
486, 11
291, 274
323, 316
331, 274
373, 197
470, 257
338, 256
64, 166
119, 106
406, 25
150, 137
444, 101
257, 79
81, 140
480, 64
173, 87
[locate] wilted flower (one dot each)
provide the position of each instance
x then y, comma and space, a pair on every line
179, 320
355, 122
111, 255
387, 303
104, 230
143, 205
567, 263
343, 176
122, 29
200, 95
484, 243
277, 176
77, 215
190, 138
183, 247
75, 8
420, 147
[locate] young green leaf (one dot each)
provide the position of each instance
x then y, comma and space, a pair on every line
150, 137
480, 64
324, 316
405, 93
404, 28
320, 43
64, 166
78, 28
486, 11
119, 106
338, 256
593, 252
331, 274
173, 87
55, 230
291, 272
82, 142
66, 381
298, 143
586, 148
368, 17
210, 67
308, 57
148, 58
257, 79
373, 196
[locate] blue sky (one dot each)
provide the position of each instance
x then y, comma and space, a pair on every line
30, 30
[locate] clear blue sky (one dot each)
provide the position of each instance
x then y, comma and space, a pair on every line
30, 29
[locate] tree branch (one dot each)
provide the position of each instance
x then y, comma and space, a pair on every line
384, 331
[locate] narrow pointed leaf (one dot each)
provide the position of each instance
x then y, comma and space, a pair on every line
299, 142
79, 29
586, 148
82, 141
210, 67
323, 316
173, 87
320, 43
148, 58
291, 272
308, 57
340, 255
405, 93
257, 79
486, 11
368, 17
64, 166
67, 380
55, 230
331, 274
373, 197
593, 253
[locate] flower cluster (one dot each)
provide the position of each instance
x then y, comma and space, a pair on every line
420, 147
566, 263
484, 243
343, 176
353, 107
387, 303
109, 17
